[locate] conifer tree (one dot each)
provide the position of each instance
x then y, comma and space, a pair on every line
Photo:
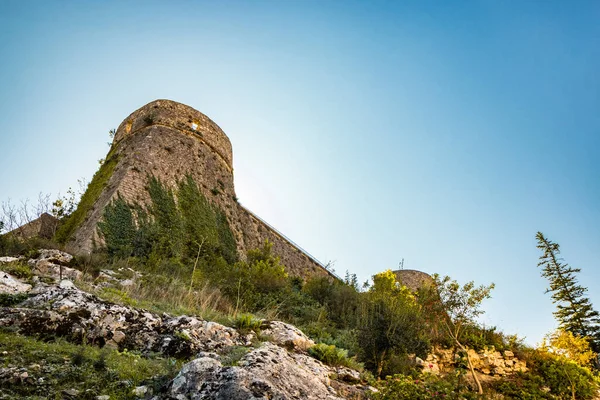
574, 312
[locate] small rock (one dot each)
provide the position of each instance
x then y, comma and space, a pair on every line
103, 397
71, 392
66, 284
8, 259
118, 336
348, 375
140, 391
34, 367
127, 283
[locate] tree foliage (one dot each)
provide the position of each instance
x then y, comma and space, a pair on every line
461, 305
574, 310
564, 343
391, 323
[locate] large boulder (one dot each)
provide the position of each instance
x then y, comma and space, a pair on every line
269, 372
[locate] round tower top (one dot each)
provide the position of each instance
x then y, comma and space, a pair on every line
170, 114
413, 279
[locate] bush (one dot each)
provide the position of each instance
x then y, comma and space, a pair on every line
425, 387
333, 356
391, 325
178, 224
246, 323
565, 378
17, 269
8, 299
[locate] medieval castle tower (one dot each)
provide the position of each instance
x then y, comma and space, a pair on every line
169, 140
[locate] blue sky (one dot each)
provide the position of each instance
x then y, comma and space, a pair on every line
444, 133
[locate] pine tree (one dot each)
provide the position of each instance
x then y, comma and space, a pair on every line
574, 312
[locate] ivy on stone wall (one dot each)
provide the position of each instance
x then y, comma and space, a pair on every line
118, 228
177, 224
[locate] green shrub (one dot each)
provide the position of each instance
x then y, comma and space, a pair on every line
333, 356
177, 224
425, 387
523, 387
8, 299
246, 323
118, 228
564, 377
17, 269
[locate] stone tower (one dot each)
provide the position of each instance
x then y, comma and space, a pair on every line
169, 140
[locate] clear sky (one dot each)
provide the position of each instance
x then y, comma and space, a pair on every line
444, 133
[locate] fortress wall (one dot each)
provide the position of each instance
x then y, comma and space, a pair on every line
181, 117
169, 155
297, 262
159, 140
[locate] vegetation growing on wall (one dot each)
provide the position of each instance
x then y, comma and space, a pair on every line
178, 224
67, 228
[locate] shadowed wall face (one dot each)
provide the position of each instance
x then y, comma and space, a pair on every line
170, 140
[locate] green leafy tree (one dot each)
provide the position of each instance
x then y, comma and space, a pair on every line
460, 307
391, 324
574, 312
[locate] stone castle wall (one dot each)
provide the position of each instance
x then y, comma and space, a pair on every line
169, 140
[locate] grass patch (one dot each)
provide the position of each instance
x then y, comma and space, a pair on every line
171, 295
57, 366
92, 193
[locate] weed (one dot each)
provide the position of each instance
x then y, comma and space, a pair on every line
246, 323
17, 269
331, 355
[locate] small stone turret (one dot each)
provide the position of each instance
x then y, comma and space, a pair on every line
170, 140
413, 279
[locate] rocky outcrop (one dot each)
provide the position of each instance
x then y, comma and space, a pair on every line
277, 369
286, 335
53, 264
66, 311
11, 285
269, 372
